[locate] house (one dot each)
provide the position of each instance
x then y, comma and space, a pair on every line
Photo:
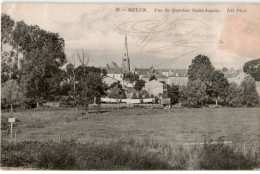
178, 77
109, 80
115, 73
155, 87
145, 74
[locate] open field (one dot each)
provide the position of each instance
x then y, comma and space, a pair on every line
175, 126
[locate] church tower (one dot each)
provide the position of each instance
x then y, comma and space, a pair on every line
126, 61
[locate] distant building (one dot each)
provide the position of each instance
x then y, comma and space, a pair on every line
115, 73
146, 74
155, 87
178, 77
109, 80
169, 76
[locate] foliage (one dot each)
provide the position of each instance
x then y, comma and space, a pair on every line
123, 155
131, 77
9, 69
253, 69
43, 55
90, 86
134, 96
219, 85
116, 91
196, 93
40, 77
202, 69
221, 157
215, 81
152, 78
11, 91
250, 94
139, 84
7, 25
173, 93
235, 95
143, 94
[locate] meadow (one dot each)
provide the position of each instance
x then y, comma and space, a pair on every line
174, 126
133, 138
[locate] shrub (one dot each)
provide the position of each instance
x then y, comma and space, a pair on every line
129, 155
220, 157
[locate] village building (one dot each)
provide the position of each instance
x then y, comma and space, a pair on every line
178, 77
155, 87
115, 73
109, 80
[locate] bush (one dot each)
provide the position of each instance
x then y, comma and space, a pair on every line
127, 155
220, 157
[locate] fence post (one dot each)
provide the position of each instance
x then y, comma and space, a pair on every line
11, 132
15, 137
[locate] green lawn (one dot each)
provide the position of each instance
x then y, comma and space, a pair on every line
239, 125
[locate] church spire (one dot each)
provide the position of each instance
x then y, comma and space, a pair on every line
126, 61
126, 48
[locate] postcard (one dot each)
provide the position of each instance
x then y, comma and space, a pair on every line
130, 86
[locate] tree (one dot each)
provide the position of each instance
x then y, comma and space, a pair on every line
11, 92
235, 95
41, 76
250, 94
196, 93
224, 70
134, 96
173, 93
139, 84
219, 86
253, 69
131, 77
201, 68
84, 58
143, 94
7, 25
152, 78
116, 91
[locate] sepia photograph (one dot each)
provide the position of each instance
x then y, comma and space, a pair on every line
165, 86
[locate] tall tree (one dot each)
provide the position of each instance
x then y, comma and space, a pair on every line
11, 92
43, 55
139, 84
202, 69
253, 69
250, 94
235, 95
173, 93
219, 86
196, 93
7, 25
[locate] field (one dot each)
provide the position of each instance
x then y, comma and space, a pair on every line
175, 126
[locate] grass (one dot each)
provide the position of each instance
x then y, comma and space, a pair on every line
123, 155
157, 132
176, 126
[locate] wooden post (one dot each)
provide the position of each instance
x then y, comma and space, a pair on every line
11, 109
11, 132
15, 137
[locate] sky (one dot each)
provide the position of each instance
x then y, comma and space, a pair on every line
167, 39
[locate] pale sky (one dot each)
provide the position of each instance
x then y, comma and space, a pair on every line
162, 39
